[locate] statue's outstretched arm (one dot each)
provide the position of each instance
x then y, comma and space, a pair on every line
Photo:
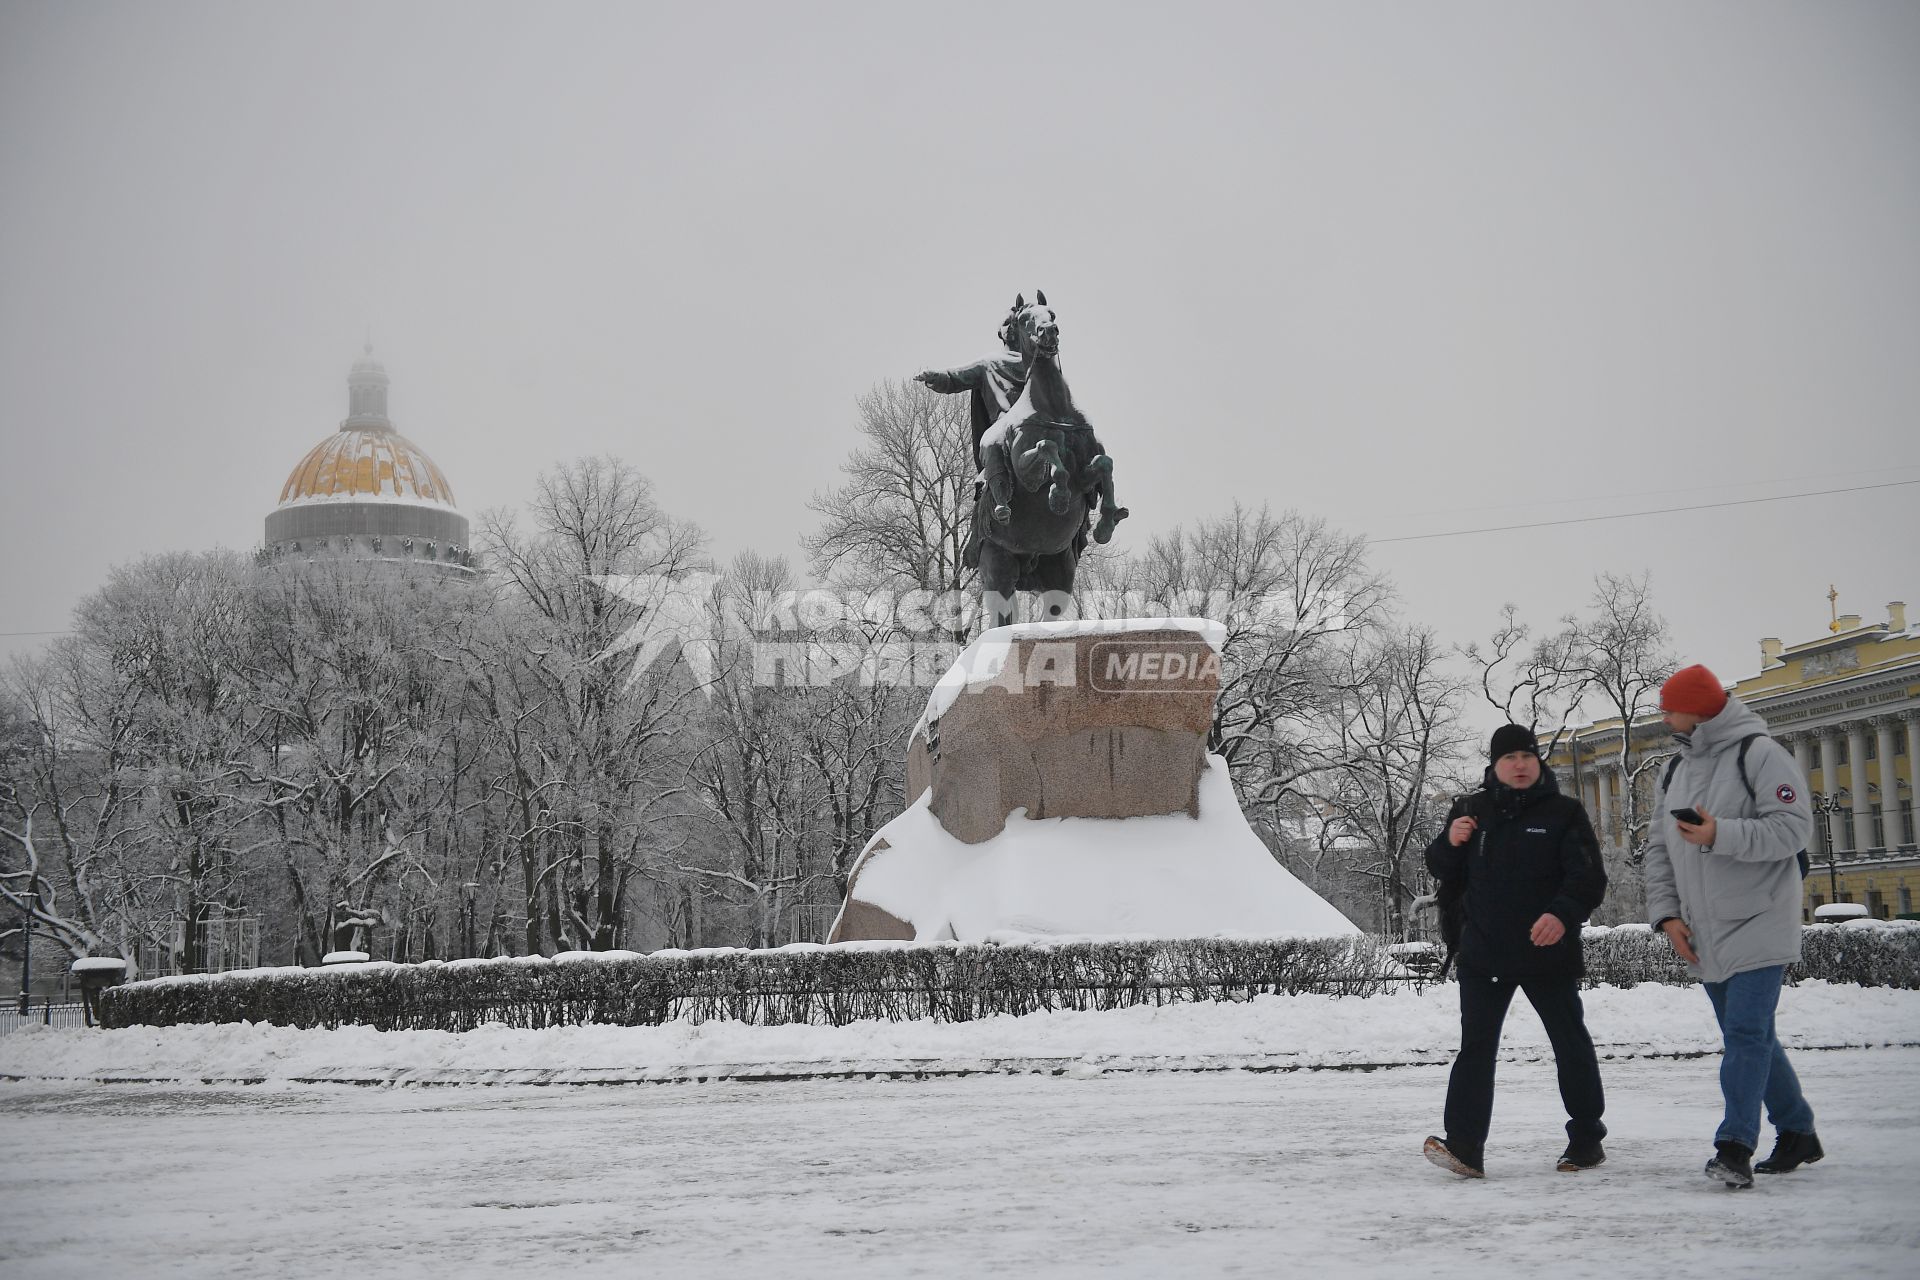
952, 381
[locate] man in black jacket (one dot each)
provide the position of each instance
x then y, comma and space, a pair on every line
1524, 861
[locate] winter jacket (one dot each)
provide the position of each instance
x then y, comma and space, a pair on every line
1533, 853
1740, 896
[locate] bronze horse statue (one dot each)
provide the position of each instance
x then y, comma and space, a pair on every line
1044, 468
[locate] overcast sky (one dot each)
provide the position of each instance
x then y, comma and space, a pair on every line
1413, 267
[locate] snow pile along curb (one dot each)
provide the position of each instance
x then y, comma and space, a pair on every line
1268, 1033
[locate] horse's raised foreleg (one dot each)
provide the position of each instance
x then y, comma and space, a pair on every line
1100, 470
1036, 463
1044, 461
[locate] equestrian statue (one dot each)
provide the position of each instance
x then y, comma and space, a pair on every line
1042, 470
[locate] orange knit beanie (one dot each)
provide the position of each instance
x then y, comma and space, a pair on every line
1693, 691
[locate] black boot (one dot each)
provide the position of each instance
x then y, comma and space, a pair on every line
1732, 1165
1581, 1155
1455, 1159
1790, 1151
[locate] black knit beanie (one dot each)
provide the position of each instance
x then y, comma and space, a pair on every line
1509, 738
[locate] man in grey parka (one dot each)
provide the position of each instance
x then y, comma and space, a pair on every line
1726, 892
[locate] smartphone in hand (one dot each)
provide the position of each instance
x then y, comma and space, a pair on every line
1689, 815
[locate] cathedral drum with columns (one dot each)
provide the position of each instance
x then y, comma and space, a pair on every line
1848, 706
368, 492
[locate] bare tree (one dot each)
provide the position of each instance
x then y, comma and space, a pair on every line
1620, 650
1292, 593
749, 774
1532, 681
900, 518
1396, 722
800, 764
355, 706
44, 807
855, 737
142, 709
348, 748
596, 751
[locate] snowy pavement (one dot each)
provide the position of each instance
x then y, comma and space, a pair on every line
1168, 1174
1114, 1144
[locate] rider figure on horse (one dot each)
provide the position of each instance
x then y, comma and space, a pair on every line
996, 381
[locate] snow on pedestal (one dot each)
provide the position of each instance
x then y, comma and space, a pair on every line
1061, 785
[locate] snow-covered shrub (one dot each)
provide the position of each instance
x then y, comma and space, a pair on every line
1627, 956
953, 982
1879, 957
949, 982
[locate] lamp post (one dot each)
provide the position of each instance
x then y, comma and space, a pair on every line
466, 923
26, 952
1827, 806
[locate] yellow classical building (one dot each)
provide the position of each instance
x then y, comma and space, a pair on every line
1848, 705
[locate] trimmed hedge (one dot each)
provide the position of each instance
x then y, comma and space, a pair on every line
1867, 957
950, 982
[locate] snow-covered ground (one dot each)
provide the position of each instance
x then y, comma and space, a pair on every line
1083, 1155
1151, 1175
1271, 1032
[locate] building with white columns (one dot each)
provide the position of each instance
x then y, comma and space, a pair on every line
1848, 706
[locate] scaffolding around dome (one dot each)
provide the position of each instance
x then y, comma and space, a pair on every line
368, 492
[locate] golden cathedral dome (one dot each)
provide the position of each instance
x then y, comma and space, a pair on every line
367, 490
370, 464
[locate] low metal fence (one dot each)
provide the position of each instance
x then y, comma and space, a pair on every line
47, 1014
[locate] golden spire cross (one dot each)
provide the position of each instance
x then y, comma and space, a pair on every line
1833, 608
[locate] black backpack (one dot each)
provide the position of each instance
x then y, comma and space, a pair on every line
1740, 762
1450, 896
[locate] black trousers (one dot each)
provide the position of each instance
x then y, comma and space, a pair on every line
1483, 1008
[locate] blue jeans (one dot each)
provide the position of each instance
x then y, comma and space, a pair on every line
1754, 1068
